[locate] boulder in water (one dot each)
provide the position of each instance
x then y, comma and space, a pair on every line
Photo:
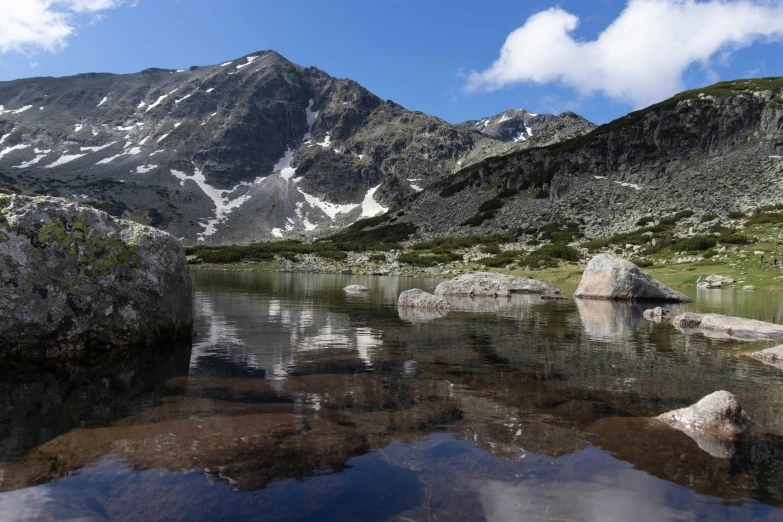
490, 284
419, 299
714, 423
657, 314
74, 279
733, 327
614, 278
356, 289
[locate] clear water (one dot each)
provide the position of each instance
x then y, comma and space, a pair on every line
300, 402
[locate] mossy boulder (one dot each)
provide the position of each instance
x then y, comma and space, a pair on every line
75, 279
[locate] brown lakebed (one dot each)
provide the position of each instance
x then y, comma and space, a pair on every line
298, 401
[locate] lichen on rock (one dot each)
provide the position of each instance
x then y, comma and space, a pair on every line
72, 278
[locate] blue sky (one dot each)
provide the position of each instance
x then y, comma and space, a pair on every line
600, 59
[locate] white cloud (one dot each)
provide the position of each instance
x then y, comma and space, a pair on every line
45, 25
640, 57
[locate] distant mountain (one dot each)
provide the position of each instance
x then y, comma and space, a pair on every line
513, 125
249, 149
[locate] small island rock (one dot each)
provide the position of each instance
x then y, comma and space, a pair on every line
419, 299
714, 422
490, 284
356, 289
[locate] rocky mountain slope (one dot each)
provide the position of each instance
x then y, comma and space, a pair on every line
251, 149
716, 149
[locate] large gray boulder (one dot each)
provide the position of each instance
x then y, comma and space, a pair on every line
72, 278
489, 284
356, 289
714, 423
614, 278
419, 299
727, 326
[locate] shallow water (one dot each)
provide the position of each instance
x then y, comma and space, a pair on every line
300, 402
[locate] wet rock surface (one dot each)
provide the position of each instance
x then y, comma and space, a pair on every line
489, 284
73, 278
733, 327
421, 300
657, 314
613, 278
356, 289
714, 423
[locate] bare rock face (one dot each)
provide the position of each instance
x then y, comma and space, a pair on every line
419, 299
73, 278
356, 289
714, 423
733, 327
489, 284
614, 278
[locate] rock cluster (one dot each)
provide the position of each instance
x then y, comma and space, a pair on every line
613, 278
356, 289
714, 281
74, 278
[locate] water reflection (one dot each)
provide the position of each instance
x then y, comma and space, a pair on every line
303, 403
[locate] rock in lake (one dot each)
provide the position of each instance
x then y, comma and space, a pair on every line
733, 327
419, 299
614, 278
490, 284
714, 423
657, 314
771, 356
356, 289
73, 278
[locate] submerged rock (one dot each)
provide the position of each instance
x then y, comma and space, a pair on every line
419, 299
735, 327
657, 314
771, 356
613, 278
74, 278
356, 289
489, 284
714, 423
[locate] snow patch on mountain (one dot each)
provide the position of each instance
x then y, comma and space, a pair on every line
65, 158
330, 209
96, 149
104, 100
41, 154
11, 149
160, 100
3, 110
143, 169
370, 207
250, 59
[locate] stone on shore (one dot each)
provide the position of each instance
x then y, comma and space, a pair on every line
614, 278
419, 299
714, 423
733, 327
74, 279
356, 289
490, 284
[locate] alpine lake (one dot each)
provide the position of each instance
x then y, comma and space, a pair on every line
297, 401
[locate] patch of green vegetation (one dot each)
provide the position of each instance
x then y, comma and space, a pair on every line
736, 214
709, 216
645, 221
454, 243
694, 244
547, 255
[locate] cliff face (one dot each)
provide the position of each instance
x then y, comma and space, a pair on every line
712, 149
